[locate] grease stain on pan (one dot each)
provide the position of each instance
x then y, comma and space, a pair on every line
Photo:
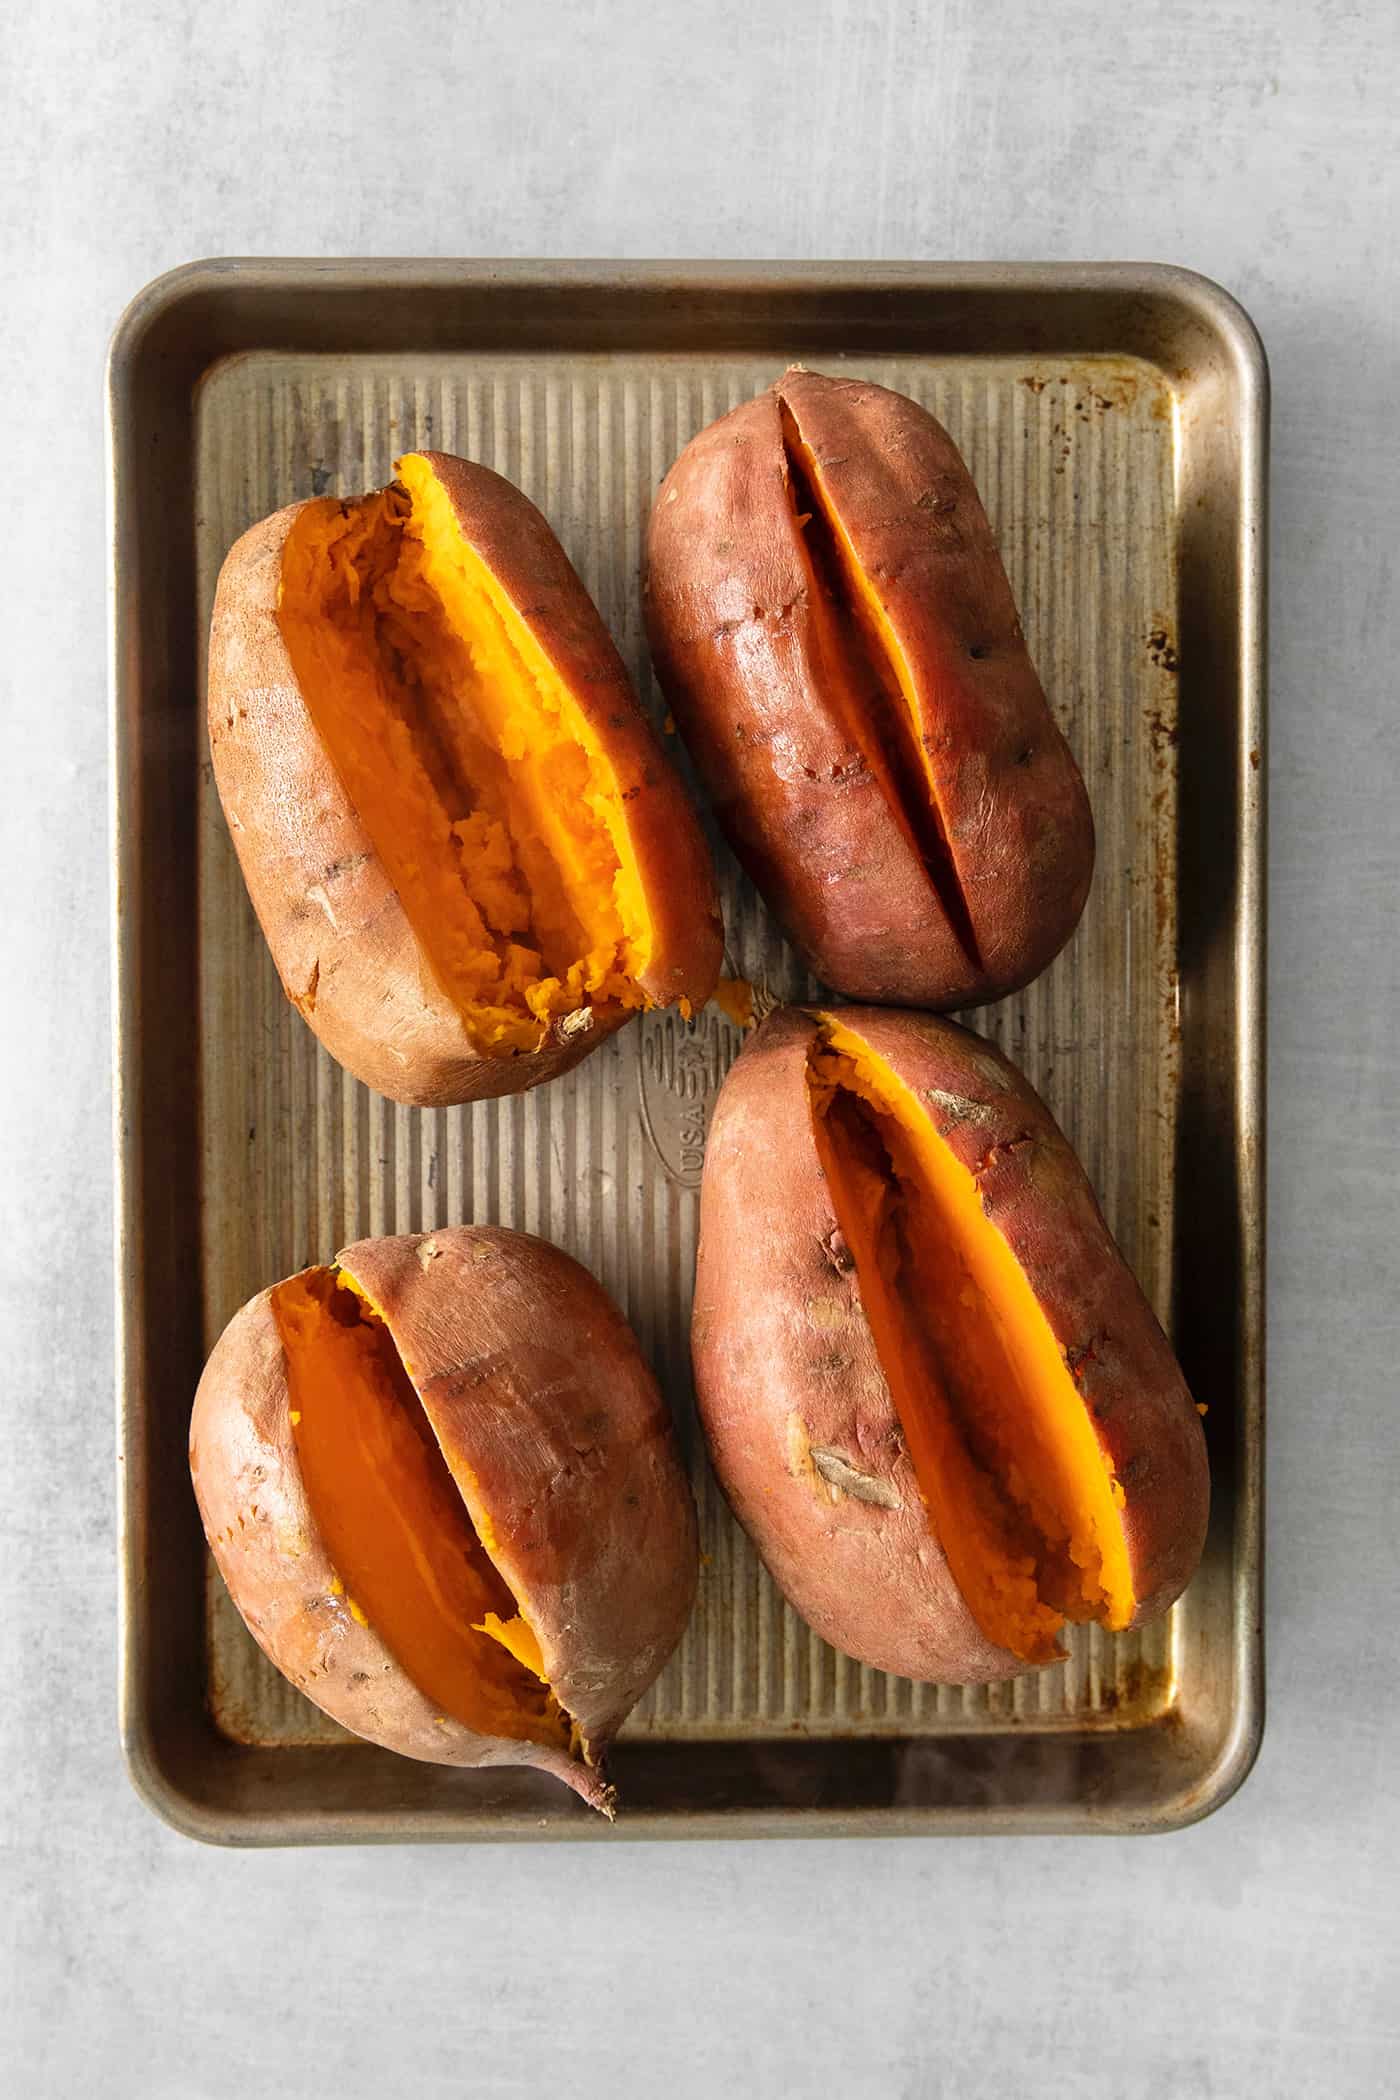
679, 1073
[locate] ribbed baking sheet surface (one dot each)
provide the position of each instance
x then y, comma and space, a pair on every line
1075, 464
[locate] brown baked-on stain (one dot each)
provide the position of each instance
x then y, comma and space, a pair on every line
1165, 735
1162, 649
1143, 1692
1099, 385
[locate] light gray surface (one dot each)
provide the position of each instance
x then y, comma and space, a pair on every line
1253, 1955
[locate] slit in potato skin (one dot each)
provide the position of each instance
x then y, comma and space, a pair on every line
866, 682
414, 1567
1020, 1496
486, 795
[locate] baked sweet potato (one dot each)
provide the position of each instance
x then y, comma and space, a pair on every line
470, 857
442, 1488
836, 636
932, 1389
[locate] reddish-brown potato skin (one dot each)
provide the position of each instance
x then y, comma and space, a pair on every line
573, 1454
552, 1424
785, 1364
344, 950
730, 617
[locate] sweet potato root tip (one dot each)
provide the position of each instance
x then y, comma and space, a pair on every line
864, 681
600, 1796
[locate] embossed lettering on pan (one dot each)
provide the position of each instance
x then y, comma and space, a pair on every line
679, 1073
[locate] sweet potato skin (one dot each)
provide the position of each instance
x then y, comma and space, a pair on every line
344, 949
733, 631
592, 1516
552, 1424
801, 1427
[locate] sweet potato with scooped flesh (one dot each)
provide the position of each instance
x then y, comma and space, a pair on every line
442, 1488
932, 1389
836, 636
470, 856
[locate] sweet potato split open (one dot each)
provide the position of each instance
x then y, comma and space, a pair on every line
1019, 1492
394, 1522
867, 680
484, 789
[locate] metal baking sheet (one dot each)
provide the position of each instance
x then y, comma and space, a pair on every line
1115, 420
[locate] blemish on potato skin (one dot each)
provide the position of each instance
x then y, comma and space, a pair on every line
958, 1108
291, 1540
305, 1001
799, 1447
846, 1479
1082, 1354
1001, 1150
830, 1364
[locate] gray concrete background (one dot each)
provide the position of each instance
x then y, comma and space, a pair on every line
1256, 1954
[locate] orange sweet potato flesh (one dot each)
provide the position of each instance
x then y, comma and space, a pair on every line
932, 1389
442, 1488
469, 854
836, 637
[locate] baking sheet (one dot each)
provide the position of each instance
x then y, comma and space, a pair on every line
1112, 464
